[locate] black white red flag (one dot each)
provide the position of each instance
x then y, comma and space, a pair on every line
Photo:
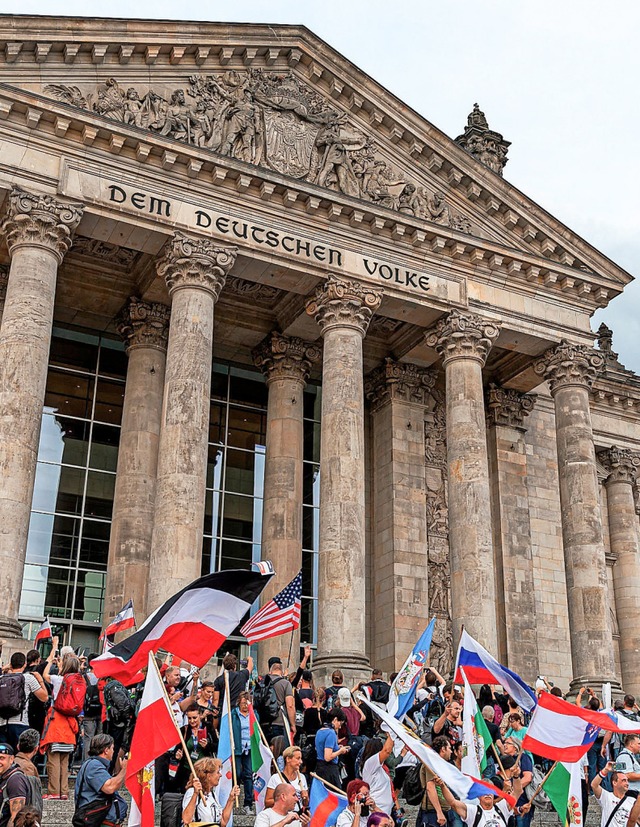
191, 625
44, 632
279, 615
125, 619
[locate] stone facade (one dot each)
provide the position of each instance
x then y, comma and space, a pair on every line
242, 195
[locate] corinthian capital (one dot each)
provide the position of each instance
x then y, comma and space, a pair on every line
190, 261
285, 357
621, 464
506, 406
568, 364
344, 303
463, 336
398, 381
144, 324
40, 221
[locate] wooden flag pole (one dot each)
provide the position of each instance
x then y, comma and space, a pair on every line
327, 784
541, 784
233, 748
273, 760
497, 755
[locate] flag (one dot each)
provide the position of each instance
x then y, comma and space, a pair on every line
564, 790
564, 732
44, 632
264, 567
261, 762
225, 754
481, 667
154, 734
403, 688
464, 786
123, 620
192, 624
476, 739
279, 615
325, 805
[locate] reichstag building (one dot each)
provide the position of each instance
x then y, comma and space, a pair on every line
255, 307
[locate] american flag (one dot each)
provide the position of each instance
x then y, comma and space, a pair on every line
279, 615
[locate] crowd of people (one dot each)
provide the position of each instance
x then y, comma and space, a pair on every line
55, 711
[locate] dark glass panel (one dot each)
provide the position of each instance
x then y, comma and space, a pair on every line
99, 499
310, 527
307, 621
74, 350
59, 591
312, 402
109, 400
248, 388
113, 359
205, 565
239, 474
237, 519
217, 415
89, 596
64, 541
311, 442
104, 447
58, 488
246, 428
69, 394
236, 555
308, 572
94, 546
220, 382
212, 502
63, 440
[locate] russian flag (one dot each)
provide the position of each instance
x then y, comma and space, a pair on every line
481, 667
325, 805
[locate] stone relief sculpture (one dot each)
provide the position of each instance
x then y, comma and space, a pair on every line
273, 120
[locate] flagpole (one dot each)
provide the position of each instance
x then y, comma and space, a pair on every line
497, 754
178, 730
233, 748
273, 760
541, 784
290, 648
327, 784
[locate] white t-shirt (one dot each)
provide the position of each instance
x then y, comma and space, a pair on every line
345, 819
267, 818
30, 685
489, 818
209, 811
375, 775
299, 784
608, 801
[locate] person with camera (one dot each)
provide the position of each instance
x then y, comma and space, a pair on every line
328, 750
618, 806
360, 806
375, 774
283, 811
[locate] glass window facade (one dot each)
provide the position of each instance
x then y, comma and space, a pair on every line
75, 479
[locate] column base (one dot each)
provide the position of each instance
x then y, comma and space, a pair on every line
9, 628
595, 683
354, 666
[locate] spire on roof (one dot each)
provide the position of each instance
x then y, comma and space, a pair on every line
486, 146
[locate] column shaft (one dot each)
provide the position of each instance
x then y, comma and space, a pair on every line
144, 328
38, 231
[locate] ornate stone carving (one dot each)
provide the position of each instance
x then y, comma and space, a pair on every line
486, 146
258, 293
144, 324
620, 464
569, 364
435, 433
284, 357
506, 406
604, 338
441, 655
189, 261
384, 325
4, 278
344, 303
103, 250
438, 512
463, 336
272, 120
41, 221
398, 380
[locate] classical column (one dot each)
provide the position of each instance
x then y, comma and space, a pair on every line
286, 362
343, 310
570, 371
621, 466
38, 231
397, 393
464, 341
145, 329
515, 593
195, 270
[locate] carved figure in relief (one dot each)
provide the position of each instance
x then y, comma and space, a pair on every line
441, 654
438, 209
335, 170
110, 100
177, 121
132, 108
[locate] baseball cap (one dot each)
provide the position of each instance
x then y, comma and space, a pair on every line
6, 749
273, 661
345, 696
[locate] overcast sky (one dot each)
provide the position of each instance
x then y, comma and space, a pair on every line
559, 78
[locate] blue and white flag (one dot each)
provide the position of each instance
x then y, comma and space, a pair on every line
403, 689
225, 754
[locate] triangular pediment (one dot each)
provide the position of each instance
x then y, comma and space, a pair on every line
280, 99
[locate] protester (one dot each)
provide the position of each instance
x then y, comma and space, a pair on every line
434, 809
616, 806
118, 715
328, 751
374, 772
493, 811
242, 749
36, 706
331, 692
354, 717
94, 780
238, 682
290, 775
208, 772
628, 760
92, 718
360, 806
515, 727
315, 716
205, 701
283, 811
16, 687
28, 744
449, 723
284, 696
15, 790
379, 819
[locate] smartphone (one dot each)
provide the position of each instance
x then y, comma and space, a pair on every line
202, 734
619, 766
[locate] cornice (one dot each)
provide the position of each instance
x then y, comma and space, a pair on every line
44, 40
36, 115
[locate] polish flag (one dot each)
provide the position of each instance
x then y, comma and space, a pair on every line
191, 625
44, 632
562, 731
154, 734
124, 620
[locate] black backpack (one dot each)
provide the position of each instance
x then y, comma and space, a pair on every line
92, 705
265, 700
412, 788
171, 810
13, 696
118, 703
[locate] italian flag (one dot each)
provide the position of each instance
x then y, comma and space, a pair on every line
476, 739
565, 793
261, 761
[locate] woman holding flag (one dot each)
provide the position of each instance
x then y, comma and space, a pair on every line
206, 807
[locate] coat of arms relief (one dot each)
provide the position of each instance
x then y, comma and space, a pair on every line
271, 120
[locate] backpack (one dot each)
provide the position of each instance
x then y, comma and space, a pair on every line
70, 698
543, 801
13, 696
5, 812
92, 704
95, 812
265, 700
36, 792
412, 788
171, 810
118, 703
331, 693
